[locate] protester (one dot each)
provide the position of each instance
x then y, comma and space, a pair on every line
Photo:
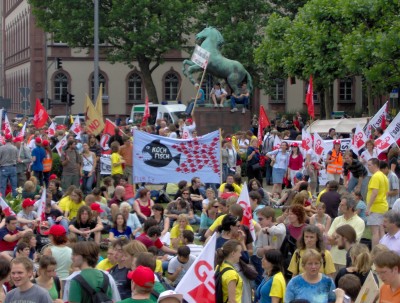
48, 279
388, 269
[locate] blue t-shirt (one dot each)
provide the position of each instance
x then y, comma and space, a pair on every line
201, 99
40, 154
127, 232
362, 207
263, 292
321, 292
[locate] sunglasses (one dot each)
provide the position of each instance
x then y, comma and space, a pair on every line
215, 206
185, 193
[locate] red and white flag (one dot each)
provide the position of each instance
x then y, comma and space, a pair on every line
51, 132
394, 127
368, 131
60, 145
41, 209
76, 127
263, 122
6, 208
376, 120
319, 145
109, 130
384, 142
2, 140
359, 139
41, 116
199, 287
310, 98
277, 143
7, 126
21, 134
146, 114
306, 140
244, 202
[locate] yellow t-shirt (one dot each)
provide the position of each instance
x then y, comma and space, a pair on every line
158, 266
115, 170
104, 265
236, 187
175, 232
228, 276
218, 222
320, 195
73, 207
63, 203
278, 287
328, 269
380, 182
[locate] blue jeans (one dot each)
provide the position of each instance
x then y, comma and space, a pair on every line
8, 173
364, 185
87, 183
64, 223
239, 100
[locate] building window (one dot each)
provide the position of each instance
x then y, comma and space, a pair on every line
346, 90
278, 91
135, 94
207, 85
102, 80
60, 86
171, 86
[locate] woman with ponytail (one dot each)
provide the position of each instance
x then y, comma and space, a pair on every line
227, 259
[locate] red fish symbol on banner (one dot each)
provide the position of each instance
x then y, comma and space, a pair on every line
358, 140
383, 144
205, 291
318, 147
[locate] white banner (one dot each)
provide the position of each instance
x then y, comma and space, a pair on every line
200, 57
376, 120
199, 286
394, 127
244, 202
60, 145
160, 159
105, 165
359, 139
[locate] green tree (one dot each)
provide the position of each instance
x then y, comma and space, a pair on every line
144, 30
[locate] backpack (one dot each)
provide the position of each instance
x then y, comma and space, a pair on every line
287, 249
218, 285
99, 296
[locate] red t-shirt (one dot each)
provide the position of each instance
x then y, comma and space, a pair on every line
148, 242
129, 192
4, 245
294, 231
296, 163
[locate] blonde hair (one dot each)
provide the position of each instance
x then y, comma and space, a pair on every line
29, 186
183, 217
310, 254
361, 258
125, 205
134, 247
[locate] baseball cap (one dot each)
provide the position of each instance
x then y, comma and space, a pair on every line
27, 202
299, 176
52, 177
169, 294
57, 230
189, 120
45, 143
336, 141
294, 144
142, 276
17, 139
96, 207
38, 140
8, 136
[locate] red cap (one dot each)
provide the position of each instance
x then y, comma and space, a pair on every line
45, 143
8, 137
17, 139
189, 120
228, 139
336, 141
57, 230
38, 140
294, 144
96, 207
52, 177
27, 202
142, 276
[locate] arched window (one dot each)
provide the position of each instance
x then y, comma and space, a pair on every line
135, 94
171, 86
60, 86
102, 80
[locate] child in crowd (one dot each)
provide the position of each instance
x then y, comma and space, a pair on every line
361, 206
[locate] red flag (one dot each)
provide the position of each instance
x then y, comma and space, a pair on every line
6, 208
263, 122
146, 114
310, 98
109, 130
41, 116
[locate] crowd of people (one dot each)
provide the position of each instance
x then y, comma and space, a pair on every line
309, 244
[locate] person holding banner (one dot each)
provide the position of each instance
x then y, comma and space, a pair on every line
334, 159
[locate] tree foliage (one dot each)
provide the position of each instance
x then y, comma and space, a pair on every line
133, 29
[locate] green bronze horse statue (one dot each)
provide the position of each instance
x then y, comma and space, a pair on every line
232, 71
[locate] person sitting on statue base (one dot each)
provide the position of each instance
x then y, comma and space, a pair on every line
243, 98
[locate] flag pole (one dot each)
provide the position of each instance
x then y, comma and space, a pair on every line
220, 159
197, 93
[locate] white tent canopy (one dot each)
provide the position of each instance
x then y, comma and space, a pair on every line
343, 126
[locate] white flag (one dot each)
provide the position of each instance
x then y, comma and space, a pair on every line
41, 206
384, 142
277, 143
306, 140
198, 286
76, 126
6, 209
21, 134
7, 126
51, 132
359, 139
244, 202
394, 127
319, 145
376, 120
61, 144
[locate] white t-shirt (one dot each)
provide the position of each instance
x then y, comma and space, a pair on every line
187, 131
218, 92
174, 264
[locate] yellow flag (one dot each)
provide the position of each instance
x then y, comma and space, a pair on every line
94, 121
99, 101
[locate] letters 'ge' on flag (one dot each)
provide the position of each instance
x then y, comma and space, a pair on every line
160, 159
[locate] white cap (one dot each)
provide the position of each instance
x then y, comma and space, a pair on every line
169, 294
